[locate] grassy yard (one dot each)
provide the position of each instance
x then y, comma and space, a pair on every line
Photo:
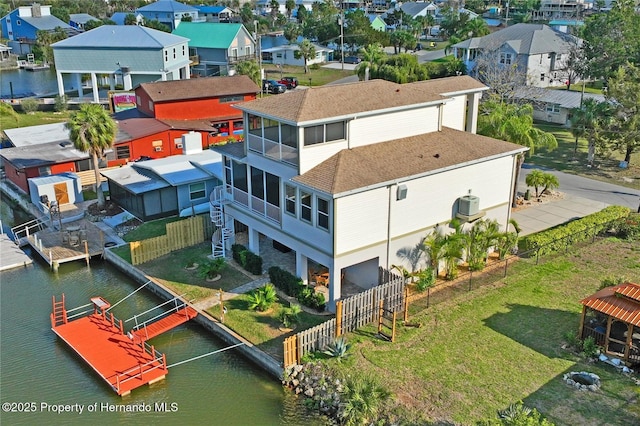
35, 119
483, 350
263, 329
566, 159
319, 76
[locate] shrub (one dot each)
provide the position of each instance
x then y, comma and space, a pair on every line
362, 401
251, 262
339, 348
211, 267
289, 316
590, 348
60, 103
29, 105
611, 281
426, 279
262, 298
628, 228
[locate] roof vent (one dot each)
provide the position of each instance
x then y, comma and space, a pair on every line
65, 144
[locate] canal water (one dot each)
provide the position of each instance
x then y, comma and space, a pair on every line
25, 84
40, 374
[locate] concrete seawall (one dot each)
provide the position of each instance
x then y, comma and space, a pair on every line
247, 349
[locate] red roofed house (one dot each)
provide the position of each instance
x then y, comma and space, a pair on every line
612, 317
203, 105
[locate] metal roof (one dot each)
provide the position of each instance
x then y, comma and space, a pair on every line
183, 169
621, 302
48, 22
81, 18
38, 135
167, 6
121, 36
210, 35
565, 98
41, 155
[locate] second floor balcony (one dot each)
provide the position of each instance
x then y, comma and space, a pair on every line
272, 149
256, 205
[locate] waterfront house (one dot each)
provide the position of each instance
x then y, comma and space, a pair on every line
215, 47
119, 18
127, 54
176, 185
346, 175
78, 20
203, 104
215, 13
168, 12
541, 53
20, 26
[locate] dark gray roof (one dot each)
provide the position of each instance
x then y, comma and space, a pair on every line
41, 155
82, 18
526, 39
565, 98
121, 36
48, 22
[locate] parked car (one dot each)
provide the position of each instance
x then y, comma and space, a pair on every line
290, 82
272, 86
352, 60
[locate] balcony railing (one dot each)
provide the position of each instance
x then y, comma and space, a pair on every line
236, 59
258, 206
273, 149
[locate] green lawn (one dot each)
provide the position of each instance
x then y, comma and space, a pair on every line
566, 159
319, 76
263, 328
154, 228
483, 350
35, 119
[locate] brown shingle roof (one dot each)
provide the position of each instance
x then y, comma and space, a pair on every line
621, 302
400, 159
202, 124
195, 88
299, 106
138, 127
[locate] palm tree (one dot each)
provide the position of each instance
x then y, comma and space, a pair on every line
535, 179
306, 51
434, 249
513, 123
453, 249
290, 5
93, 131
588, 121
251, 69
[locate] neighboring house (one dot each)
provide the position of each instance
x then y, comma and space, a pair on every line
60, 189
264, 7
346, 175
78, 20
119, 18
554, 106
21, 25
168, 12
561, 9
214, 48
377, 23
177, 185
200, 104
565, 26
538, 51
215, 13
127, 54
285, 55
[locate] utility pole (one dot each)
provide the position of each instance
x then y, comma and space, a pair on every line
342, 36
259, 55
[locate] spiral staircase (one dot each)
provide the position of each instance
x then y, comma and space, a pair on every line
223, 223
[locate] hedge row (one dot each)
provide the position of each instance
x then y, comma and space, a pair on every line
558, 238
294, 286
248, 260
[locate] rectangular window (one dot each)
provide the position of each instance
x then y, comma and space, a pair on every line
335, 131
150, 105
44, 171
196, 191
257, 183
542, 77
305, 206
553, 108
289, 135
505, 58
122, 152
166, 56
240, 176
290, 199
313, 135
323, 213
183, 50
255, 125
272, 189
174, 53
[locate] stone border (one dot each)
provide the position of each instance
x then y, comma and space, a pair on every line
248, 350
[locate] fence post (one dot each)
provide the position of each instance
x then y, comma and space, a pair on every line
406, 303
537, 255
470, 279
506, 263
338, 318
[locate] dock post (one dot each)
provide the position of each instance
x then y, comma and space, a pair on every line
54, 265
112, 321
121, 327
86, 250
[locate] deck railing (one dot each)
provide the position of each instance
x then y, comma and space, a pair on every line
176, 308
138, 371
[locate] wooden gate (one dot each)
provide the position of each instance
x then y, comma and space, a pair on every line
387, 323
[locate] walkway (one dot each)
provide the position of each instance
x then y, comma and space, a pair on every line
209, 302
11, 256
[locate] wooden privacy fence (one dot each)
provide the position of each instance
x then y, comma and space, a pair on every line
351, 313
180, 234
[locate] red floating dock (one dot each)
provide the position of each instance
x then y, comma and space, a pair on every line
124, 360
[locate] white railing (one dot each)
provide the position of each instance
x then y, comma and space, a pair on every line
273, 149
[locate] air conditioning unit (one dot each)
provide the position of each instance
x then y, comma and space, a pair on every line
179, 145
469, 205
157, 148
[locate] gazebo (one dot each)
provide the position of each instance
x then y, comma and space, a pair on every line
612, 317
